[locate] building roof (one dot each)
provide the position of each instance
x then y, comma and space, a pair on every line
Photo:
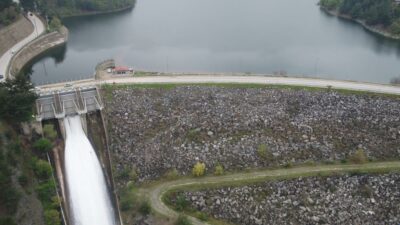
121, 69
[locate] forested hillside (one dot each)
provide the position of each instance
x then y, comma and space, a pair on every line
385, 13
75, 7
8, 12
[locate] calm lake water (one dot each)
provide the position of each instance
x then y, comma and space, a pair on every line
257, 36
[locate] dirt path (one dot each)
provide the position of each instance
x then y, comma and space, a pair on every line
155, 193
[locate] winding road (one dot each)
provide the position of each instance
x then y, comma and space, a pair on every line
155, 193
6, 58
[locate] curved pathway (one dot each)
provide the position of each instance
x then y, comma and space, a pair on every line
5, 59
156, 192
254, 79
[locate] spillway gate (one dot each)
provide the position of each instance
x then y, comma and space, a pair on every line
58, 104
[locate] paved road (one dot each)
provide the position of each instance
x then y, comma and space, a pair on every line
156, 192
350, 85
5, 59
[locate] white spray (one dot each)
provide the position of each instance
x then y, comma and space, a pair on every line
89, 200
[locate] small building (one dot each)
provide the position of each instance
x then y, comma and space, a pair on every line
121, 70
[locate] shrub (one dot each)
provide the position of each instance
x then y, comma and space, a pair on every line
42, 169
181, 203
263, 152
23, 180
358, 157
55, 24
127, 198
199, 169
145, 208
182, 220
219, 170
45, 191
171, 174
133, 175
49, 131
7, 221
52, 217
202, 216
43, 145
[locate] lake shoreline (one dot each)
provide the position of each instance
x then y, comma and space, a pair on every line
372, 29
94, 13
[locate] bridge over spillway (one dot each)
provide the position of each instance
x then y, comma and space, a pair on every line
67, 102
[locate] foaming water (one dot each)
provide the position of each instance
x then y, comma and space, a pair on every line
89, 200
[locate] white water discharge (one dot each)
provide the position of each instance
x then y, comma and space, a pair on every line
89, 199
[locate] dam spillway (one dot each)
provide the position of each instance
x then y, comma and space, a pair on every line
89, 199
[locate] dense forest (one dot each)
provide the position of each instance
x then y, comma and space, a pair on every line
63, 8
9, 11
385, 13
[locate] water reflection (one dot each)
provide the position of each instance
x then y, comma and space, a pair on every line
255, 36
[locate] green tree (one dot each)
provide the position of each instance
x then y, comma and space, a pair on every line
17, 99
182, 220
49, 132
43, 145
42, 169
52, 217
55, 24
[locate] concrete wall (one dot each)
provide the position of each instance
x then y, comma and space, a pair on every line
36, 48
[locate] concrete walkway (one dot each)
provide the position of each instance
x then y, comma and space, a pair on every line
5, 59
155, 193
259, 79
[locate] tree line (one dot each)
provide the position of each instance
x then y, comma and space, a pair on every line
384, 13
9, 12
63, 8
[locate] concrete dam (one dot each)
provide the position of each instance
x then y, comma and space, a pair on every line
84, 176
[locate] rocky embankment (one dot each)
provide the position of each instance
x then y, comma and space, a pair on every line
350, 199
156, 130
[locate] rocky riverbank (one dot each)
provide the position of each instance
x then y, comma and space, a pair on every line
153, 131
350, 199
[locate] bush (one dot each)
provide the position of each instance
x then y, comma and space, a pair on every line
55, 24
133, 175
45, 191
42, 169
219, 170
181, 203
199, 169
49, 132
23, 180
330, 4
182, 220
52, 217
7, 221
127, 198
359, 157
145, 208
202, 216
43, 145
264, 153
171, 174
